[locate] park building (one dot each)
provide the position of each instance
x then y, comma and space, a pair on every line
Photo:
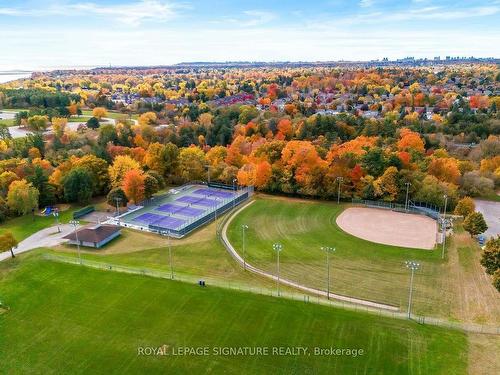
96, 235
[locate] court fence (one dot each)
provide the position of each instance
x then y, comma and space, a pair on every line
420, 208
268, 291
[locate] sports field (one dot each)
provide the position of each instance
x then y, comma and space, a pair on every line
389, 227
359, 268
181, 210
65, 318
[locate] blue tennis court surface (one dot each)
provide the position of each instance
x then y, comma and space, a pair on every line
214, 193
169, 222
198, 201
147, 218
180, 210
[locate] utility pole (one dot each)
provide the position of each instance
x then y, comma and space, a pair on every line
56, 217
444, 224
234, 189
412, 266
328, 250
407, 192
339, 179
278, 247
75, 224
244, 227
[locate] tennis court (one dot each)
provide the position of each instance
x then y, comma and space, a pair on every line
182, 209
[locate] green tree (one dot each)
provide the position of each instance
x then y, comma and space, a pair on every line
22, 197
93, 123
474, 224
40, 181
78, 186
114, 194
8, 242
490, 258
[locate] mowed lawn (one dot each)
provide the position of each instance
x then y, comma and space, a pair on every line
359, 268
70, 319
24, 226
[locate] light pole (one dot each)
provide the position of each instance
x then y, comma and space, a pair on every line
234, 189
244, 227
278, 247
328, 251
56, 217
412, 266
75, 224
118, 200
208, 166
339, 179
407, 192
444, 224
170, 254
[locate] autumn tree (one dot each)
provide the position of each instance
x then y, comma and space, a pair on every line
386, 186
445, 169
22, 197
148, 118
133, 185
465, 207
38, 123
490, 259
99, 112
475, 224
121, 165
8, 243
409, 141
192, 163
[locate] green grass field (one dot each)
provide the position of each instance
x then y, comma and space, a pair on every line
24, 226
113, 115
79, 119
8, 122
70, 319
359, 268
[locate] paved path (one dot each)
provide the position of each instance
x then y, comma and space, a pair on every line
47, 237
491, 213
293, 284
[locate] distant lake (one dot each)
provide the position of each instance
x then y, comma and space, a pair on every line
11, 76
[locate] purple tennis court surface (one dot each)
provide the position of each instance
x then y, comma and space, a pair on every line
180, 210
147, 218
198, 201
214, 193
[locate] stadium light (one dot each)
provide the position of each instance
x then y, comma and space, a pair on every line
170, 254
412, 266
117, 200
278, 247
75, 224
444, 224
234, 189
407, 192
328, 250
244, 227
339, 179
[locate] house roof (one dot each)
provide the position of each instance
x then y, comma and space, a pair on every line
94, 233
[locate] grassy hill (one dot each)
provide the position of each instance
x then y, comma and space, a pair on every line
65, 318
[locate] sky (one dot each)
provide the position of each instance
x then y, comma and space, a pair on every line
41, 35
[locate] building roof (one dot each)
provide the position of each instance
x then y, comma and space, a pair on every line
94, 233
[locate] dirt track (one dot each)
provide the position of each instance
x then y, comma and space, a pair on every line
389, 227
